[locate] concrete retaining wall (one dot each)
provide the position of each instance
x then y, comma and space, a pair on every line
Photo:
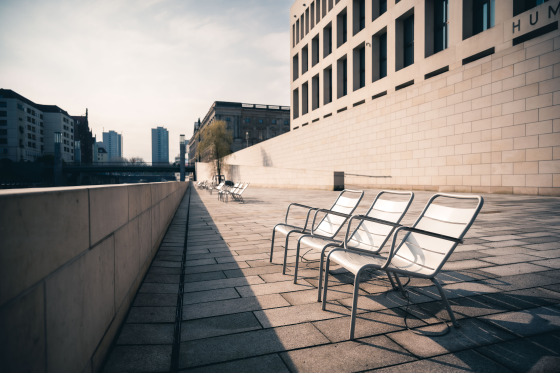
266, 176
71, 261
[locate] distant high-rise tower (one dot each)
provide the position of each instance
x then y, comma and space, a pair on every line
113, 145
160, 146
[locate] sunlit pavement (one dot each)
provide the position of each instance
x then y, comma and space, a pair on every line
236, 312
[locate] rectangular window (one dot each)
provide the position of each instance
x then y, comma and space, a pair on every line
441, 18
304, 98
341, 28
358, 16
478, 16
307, 21
520, 6
315, 50
327, 40
3, 113
483, 13
2, 104
327, 85
315, 92
295, 67
342, 77
295, 103
324, 8
312, 15
378, 7
293, 36
409, 41
302, 26
359, 67
318, 12
404, 41
304, 60
330, 4
297, 31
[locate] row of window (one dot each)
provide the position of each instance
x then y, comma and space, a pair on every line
480, 15
308, 19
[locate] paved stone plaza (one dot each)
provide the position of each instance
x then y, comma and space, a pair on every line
240, 314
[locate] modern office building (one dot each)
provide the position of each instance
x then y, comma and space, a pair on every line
249, 124
83, 134
112, 142
160, 146
460, 95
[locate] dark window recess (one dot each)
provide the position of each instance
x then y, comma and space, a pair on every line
437, 72
341, 110
404, 85
383, 56
483, 15
520, 6
359, 103
441, 16
408, 47
535, 33
327, 115
478, 56
305, 124
315, 120
378, 7
381, 94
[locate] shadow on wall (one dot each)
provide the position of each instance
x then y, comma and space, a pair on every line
266, 161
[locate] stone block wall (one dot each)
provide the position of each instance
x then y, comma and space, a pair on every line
489, 126
71, 261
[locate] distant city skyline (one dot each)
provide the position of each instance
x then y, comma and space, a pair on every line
136, 63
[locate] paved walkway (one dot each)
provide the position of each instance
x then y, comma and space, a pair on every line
238, 313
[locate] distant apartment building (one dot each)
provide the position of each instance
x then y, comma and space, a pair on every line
249, 124
27, 129
83, 134
113, 145
58, 120
100, 153
160, 146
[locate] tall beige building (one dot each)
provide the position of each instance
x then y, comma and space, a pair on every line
451, 95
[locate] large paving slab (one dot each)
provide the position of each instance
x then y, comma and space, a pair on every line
213, 302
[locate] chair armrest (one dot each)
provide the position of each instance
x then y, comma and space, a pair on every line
309, 210
419, 231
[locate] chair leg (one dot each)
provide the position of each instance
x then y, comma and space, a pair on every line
401, 288
286, 252
272, 245
446, 302
321, 274
326, 284
297, 260
355, 303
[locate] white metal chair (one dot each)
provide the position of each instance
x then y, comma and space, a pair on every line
422, 251
328, 222
237, 194
224, 193
286, 228
371, 233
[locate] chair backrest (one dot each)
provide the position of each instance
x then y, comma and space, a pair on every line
388, 206
242, 188
451, 215
330, 224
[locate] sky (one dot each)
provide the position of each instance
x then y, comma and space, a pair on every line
140, 64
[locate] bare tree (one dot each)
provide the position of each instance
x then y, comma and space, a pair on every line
215, 144
137, 161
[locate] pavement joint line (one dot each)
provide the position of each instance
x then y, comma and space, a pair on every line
179, 309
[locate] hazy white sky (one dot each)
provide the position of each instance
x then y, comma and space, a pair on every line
139, 64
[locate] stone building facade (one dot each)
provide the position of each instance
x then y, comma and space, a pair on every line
383, 92
249, 124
